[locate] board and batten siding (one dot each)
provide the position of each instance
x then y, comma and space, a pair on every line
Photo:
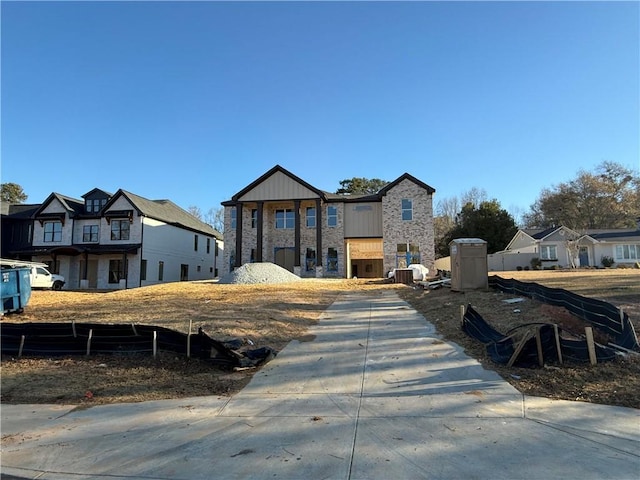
278, 187
362, 220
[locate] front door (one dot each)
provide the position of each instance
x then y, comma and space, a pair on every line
285, 257
583, 256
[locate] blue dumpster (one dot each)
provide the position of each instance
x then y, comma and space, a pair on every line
15, 288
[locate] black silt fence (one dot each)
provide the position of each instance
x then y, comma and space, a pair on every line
602, 315
502, 347
56, 339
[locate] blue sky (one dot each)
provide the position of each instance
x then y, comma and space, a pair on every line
191, 101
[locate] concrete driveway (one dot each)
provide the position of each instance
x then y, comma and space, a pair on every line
376, 395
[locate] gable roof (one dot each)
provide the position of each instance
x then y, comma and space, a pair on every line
97, 190
71, 205
405, 176
328, 196
165, 211
268, 174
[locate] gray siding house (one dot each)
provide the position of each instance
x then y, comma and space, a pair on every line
282, 219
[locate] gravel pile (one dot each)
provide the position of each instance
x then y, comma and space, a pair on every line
264, 272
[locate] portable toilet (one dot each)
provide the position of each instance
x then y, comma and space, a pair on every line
469, 269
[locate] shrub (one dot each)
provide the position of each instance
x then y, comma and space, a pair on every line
519, 268
606, 261
536, 263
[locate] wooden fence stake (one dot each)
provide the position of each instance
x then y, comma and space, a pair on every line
588, 331
189, 339
89, 342
135, 332
462, 311
21, 346
558, 345
518, 349
155, 343
539, 346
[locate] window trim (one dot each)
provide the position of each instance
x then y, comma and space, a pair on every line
55, 235
407, 211
332, 218
546, 251
120, 222
87, 237
310, 217
287, 221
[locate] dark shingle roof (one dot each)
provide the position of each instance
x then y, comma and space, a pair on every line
169, 212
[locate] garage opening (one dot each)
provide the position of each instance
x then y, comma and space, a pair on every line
365, 258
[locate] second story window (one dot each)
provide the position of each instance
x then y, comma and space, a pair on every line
94, 205
90, 233
119, 229
195, 243
233, 217
407, 209
254, 218
208, 245
311, 217
53, 231
285, 218
332, 216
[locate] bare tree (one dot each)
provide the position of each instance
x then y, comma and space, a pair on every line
195, 211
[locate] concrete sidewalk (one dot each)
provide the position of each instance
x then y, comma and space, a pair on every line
376, 395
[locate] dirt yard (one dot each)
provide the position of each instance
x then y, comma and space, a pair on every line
273, 315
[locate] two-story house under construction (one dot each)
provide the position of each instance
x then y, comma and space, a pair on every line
282, 219
121, 240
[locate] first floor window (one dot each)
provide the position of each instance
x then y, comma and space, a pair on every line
90, 233
627, 252
143, 269
160, 270
332, 260
254, 218
53, 231
310, 260
117, 271
407, 209
285, 218
332, 216
119, 229
252, 258
406, 254
232, 260
548, 252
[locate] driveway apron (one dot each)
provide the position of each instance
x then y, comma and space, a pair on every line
374, 393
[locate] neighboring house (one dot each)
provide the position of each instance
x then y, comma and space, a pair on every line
16, 229
282, 219
564, 247
116, 241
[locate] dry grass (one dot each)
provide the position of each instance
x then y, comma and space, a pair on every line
273, 315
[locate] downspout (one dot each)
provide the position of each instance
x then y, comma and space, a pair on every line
141, 250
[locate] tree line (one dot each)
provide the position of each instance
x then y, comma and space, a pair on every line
606, 198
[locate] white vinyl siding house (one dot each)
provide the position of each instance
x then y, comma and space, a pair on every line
123, 241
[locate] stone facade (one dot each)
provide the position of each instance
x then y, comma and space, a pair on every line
279, 244
418, 231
